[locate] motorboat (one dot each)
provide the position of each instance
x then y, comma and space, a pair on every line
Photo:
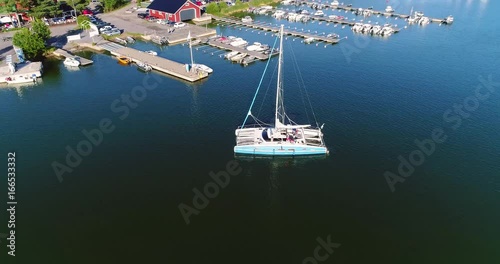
121, 41
151, 52
387, 31
449, 20
376, 30
283, 138
238, 42
238, 57
319, 13
247, 60
358, 27
309, 40
256, 46
202, 67
366, 28
334, 3
424, 20
247, 19
124, 60
130, 39
144, 66
72, 62
304, 12
389, 9
333, 36
231, 54
279, 14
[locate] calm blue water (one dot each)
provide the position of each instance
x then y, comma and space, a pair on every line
120, 205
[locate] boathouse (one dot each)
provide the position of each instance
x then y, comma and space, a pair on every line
174, 10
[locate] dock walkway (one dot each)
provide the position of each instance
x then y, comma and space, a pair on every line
67, 54
158, 63
265, 27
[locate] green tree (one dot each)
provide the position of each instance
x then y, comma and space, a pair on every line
222, 6
83, 22
44, 8
213, 8
32, 44
39, 28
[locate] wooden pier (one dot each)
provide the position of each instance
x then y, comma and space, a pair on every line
349, 8
267, 27
160, 64
67, 54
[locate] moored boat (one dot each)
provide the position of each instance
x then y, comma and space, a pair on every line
389, 9
144, 66
121, 41
284, 137
231, 54
151, 52
72, 62
238, 57
130, 39
202, 67
247, 19
124, 60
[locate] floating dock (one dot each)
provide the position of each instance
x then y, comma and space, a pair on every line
257, 54
67, 54
157, 63
24, 72
266, 27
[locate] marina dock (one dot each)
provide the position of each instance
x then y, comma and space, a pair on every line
67, 54
349, 8
157, 63
266, 27
224, 46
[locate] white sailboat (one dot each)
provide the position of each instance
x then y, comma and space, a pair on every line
197, 66
285, 137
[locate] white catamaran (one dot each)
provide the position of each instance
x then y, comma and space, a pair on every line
285, 138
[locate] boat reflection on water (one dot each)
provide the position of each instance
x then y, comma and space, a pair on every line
270, 173
22, 88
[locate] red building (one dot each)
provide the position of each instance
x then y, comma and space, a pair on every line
174, 10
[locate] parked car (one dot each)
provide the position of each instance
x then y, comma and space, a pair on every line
179, 24
142, 15
87, 11
106, 28
112, 32
151, 19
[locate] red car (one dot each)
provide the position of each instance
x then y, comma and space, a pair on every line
87, 12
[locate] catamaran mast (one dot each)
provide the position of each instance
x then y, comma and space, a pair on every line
191, 49
278, 88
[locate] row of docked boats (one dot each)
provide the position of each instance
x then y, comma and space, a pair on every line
125, 41
385, 30
242, 58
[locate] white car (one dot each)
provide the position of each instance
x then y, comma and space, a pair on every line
179, 24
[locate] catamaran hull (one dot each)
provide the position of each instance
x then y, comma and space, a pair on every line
280, 150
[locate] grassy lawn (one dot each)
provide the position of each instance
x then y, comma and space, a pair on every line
222, 9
